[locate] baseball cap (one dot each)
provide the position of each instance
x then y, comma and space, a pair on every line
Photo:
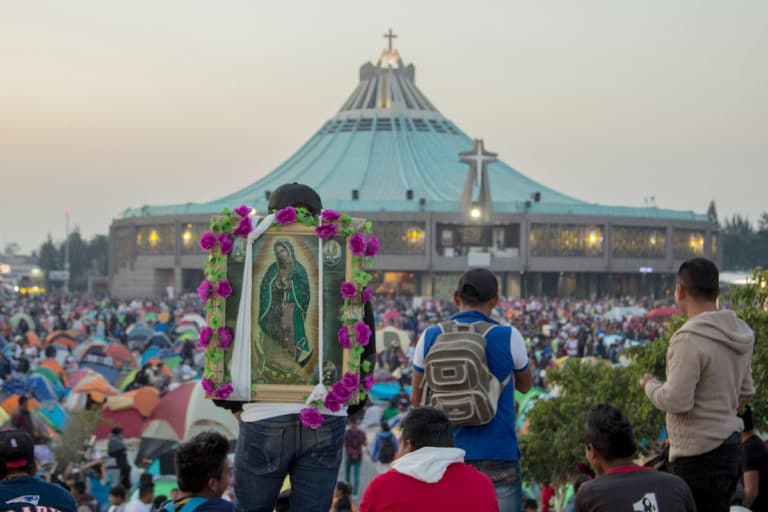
293, 194
17, 448
478, 284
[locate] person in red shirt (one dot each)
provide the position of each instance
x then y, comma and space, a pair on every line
430, 473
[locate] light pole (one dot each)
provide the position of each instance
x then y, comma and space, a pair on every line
66, 250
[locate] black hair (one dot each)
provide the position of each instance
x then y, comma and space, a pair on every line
117, 430
610, 433
23, 399
159, 500
700, 278
746, 417
118, 491
198, 460
50, 351
427, 426
79, 486
344, 487
146, 489
530, 504
384, 424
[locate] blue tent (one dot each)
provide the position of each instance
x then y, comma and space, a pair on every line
54, 415
15, 386
149, 354
41, 388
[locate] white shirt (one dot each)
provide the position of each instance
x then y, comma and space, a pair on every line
138, 506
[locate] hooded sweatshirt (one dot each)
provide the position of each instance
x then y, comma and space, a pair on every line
431, 479
708, 373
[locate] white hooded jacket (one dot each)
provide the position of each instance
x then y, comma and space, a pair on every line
428, 464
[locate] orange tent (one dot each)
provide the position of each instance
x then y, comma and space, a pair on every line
95, 384
12, 402
33, 339
63, 338
120, 355
56, 368
144, 400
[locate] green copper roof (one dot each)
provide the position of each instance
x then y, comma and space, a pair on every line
389, 143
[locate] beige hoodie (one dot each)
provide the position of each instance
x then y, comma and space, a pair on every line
708, 373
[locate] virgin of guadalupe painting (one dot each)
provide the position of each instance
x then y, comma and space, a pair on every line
295, 311
284, 299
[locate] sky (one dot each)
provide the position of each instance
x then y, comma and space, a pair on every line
111, 105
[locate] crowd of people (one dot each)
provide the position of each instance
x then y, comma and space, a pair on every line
449, 443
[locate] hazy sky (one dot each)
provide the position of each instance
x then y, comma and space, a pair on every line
106, 105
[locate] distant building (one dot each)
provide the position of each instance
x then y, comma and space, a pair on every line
440, 203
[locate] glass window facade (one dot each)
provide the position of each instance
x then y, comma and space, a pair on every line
460, 240
567, 240
713, 246
151, 240
687, 243
401, 238
638, 242
190, 237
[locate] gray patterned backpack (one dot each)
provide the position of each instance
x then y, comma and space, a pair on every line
457, 376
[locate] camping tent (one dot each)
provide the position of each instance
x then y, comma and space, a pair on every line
181, 414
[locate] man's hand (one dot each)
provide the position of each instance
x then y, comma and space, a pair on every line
237, 414
646, 378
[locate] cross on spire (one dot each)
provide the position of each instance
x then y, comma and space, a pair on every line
477, 178
390, 35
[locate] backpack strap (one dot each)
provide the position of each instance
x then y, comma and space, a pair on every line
186, 504
483, 328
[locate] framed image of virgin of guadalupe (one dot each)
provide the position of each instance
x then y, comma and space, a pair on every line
274, 328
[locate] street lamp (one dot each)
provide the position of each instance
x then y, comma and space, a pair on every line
475, 213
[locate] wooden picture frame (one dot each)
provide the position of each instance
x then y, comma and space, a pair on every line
295, 314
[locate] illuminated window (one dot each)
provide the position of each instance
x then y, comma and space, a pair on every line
687, 243
190, 237
638, 242
566, 240
155, 239
401, 238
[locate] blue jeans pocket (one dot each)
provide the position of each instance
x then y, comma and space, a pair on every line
259, 448
328, 443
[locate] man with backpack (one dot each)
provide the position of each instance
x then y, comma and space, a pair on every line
202, 471
385, 448
469, 367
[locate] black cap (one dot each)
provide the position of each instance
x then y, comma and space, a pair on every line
295, 194
17, 449
478, 284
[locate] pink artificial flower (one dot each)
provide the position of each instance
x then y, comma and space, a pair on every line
225, 243
343, 394
368, 382
327, 231
357, 244
366, 295
208, 385
362, 333
205, 336
343, 336
243, 210
224, 289
311, 418
332, 402
348, 290
205, 290
243, 228
330, 215
351, 381
224, 391
286, 216
207, 241
372, 247
225, 336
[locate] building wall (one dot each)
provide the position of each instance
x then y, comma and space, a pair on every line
149, 254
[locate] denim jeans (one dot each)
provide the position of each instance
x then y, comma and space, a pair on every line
270, 449
353, 467
712, 476
505, 476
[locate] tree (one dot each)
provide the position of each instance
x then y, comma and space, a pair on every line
49, 257
712, 212
98, 253
762, 223
553, 444
738, 224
